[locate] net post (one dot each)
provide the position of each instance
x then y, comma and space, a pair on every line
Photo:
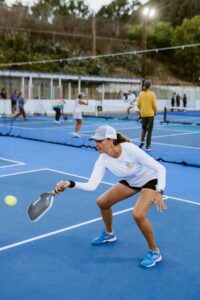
165, 115
96, 109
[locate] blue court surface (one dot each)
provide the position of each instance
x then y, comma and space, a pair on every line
54, 259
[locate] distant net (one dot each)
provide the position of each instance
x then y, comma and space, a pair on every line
184, 116
6, 124
99, 111
170, 142
120, 112
111, 109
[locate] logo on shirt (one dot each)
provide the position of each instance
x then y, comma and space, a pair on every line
129, 164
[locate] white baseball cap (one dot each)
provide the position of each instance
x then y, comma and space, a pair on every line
104, 132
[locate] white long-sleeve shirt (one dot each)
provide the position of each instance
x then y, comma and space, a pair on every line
133, 165
131, 99
78, 106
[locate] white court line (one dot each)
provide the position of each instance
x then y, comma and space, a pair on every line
177, 134
23, 172
39, 237
23, 242
59, 231
165, 144
43, 128
177, 146
16, 163
182, 200
176, 129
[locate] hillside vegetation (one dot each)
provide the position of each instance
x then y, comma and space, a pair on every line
56, 30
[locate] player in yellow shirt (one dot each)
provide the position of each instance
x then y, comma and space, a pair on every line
148, 109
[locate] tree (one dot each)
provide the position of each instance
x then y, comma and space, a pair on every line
176, 11
77, 8
118, 10
45, 10
159, 34
2, 3
187, 60
48, 10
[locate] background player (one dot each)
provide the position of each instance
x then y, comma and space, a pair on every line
77, 113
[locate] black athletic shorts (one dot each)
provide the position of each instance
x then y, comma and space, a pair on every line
149, 185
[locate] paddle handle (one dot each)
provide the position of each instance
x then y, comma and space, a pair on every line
53, 193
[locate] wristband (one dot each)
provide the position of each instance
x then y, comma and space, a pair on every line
72, 184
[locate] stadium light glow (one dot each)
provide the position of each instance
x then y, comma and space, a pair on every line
149, 12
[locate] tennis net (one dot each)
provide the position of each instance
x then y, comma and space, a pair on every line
170, 142
184, 116
119, 112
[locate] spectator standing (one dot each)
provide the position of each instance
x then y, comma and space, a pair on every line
3, 94
125, 97
14, 101
148, 109
20, 104
120, 95
173, 100
184, 100
178, 100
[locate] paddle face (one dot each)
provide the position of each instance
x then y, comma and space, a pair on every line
65, 117
40, 206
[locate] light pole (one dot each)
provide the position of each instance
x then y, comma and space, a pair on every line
148, 13
93, 35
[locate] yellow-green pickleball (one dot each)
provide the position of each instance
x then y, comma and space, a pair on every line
10, 200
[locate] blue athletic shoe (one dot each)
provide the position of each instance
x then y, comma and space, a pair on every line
104, 238
151, 259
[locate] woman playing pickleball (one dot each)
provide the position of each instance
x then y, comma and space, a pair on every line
138, 173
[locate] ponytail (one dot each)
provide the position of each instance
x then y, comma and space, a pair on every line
146, 85
120, 139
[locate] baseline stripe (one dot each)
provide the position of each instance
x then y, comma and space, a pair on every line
58, 231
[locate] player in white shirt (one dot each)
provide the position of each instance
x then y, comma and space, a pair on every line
132, 99
77, 113
138, 173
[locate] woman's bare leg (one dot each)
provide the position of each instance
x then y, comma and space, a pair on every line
115, 194
140, 212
